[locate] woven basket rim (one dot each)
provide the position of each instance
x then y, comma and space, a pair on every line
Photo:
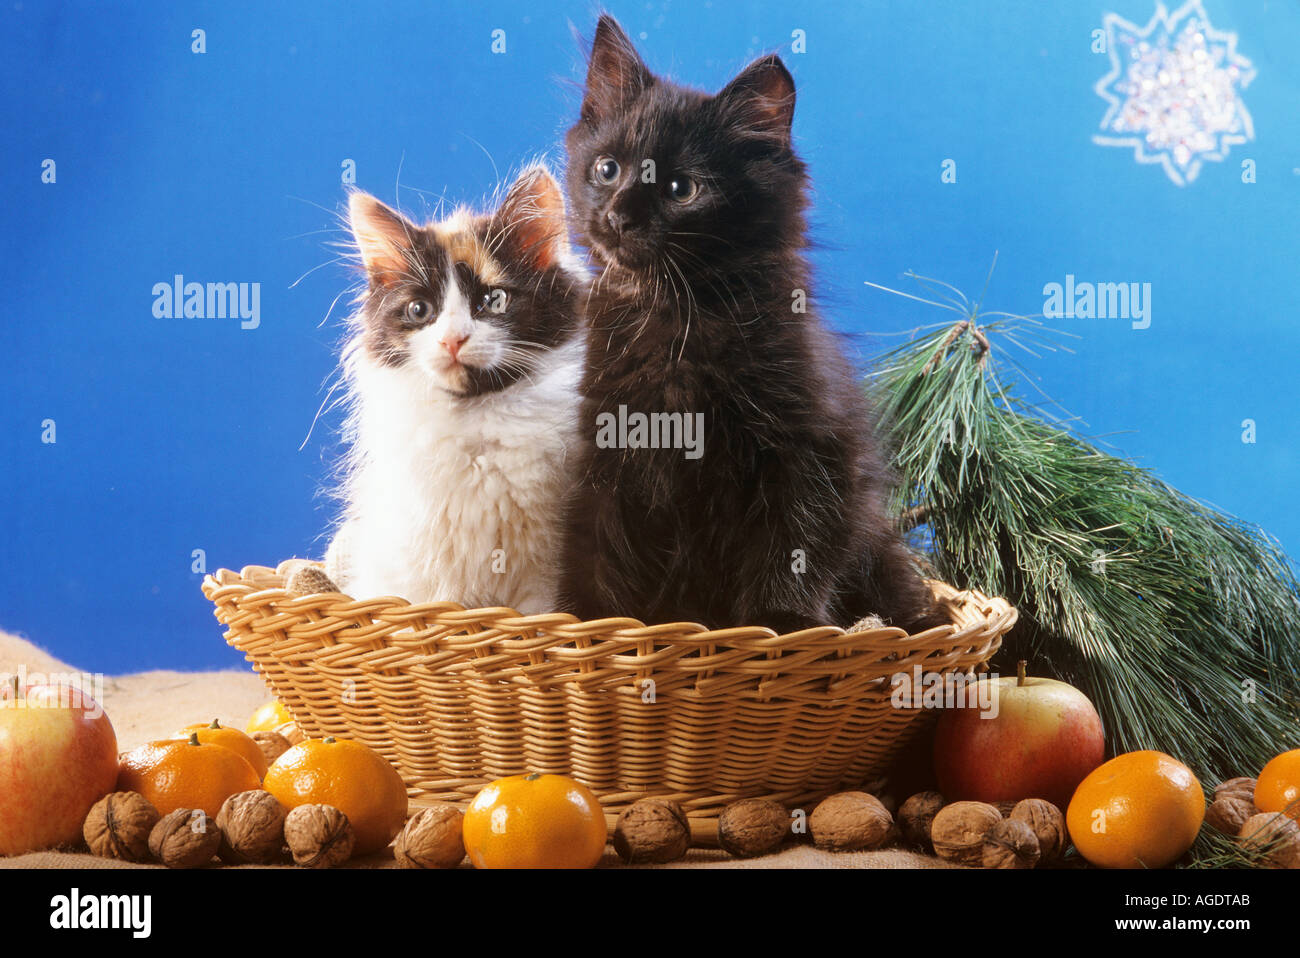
249, 585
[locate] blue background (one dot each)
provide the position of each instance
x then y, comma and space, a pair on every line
184, 434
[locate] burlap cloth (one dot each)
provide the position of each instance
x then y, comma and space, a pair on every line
152, 705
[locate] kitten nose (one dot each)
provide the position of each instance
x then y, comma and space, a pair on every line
452, 343
617, 221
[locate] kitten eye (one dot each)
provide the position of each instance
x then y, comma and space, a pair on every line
683, 189
417, 311
606, 170
493, 301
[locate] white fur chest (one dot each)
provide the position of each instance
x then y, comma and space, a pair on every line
457, 499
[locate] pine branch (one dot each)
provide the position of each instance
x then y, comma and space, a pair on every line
1181, 623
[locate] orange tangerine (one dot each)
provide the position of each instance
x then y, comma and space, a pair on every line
534, 821
1139, 810
352, 777
231, 738
185, 773
1278, 787
267, 717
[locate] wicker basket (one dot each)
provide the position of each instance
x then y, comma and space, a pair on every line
457, 697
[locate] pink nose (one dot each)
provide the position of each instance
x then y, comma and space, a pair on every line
453, 343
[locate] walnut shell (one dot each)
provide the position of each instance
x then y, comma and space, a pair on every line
292, 734
432, 838
252, 828
655, 830
319, 836
1242, 787
752, 827
850, 821
309, 580
185, 838
1048, 824
1278, 834
1010, 843
1004, 808
917, 815
1229, 812
118, 826
272, 744
958, 831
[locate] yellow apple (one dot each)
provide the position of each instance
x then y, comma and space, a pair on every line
58, 757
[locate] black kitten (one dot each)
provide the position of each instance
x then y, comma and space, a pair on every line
693, 208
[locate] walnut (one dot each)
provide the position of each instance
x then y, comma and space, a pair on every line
916, 816
186, 838
752, 827
432, 838
252, 828
1048, 824
272, 744
850, 821
1273, 836
292, 734
1229, 811
958, 831
655, 830
1010, 844
1004, 808
1242, 787
319, 836
118, 826
309, 580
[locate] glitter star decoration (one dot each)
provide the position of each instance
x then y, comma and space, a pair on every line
1174, 90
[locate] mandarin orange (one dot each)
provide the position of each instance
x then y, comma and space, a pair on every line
267, 717
352, 777
185, 773
231, 738
1139, 810
535, 821
1278, 787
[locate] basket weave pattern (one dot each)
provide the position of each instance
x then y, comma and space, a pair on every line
457, 697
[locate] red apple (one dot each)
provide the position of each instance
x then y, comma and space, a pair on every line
58, 757
1038, 739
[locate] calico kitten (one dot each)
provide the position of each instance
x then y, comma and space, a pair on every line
693, 208
462, 375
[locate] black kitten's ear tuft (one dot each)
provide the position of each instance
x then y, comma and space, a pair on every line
761, 98
531, 219
616, 74
383, 237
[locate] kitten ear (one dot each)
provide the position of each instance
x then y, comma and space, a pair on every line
616, 74
762, 96
531, 219
383, 237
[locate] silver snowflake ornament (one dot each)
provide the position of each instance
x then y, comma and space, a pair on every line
1174, 90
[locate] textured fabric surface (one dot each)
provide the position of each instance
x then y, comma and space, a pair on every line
152, 705
800, 856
